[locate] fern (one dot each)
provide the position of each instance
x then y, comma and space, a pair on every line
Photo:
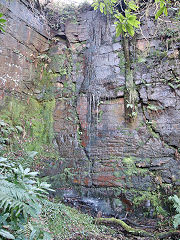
12, 197
176, 204
21, 195
6, 234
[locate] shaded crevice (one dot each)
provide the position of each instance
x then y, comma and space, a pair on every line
111, 98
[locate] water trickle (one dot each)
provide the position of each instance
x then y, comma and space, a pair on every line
62, 138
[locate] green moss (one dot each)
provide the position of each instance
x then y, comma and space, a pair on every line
36, 118
157, 54
122, 88
62, 64
153, 133
67, 223
141, 59
78, 66
130, 167
153, 197
121, 62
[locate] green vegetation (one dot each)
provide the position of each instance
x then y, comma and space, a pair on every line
66, 11
66, 222
141, 197
21, 196
60, 65
176, 205
121, 62
2, 23
125, 22
131, 167
34, 119
125, 13
27, 214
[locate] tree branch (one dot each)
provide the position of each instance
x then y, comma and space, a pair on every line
137, 232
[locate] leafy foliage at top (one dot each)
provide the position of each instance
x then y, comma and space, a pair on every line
126, 21
126, 13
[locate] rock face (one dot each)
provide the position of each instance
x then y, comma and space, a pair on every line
99, 150
25, 38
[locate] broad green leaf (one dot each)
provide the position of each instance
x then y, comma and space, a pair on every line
2, 159
118, 30
124, 28
4, 217
162, 4
127, 13
132, 18
96, 7
45, 185
21, 168
2, 20
19, 128
32, 154
95, 4
33, 174
2, 123
1, 28
6, 234
105, 10
130, 29
132, 5
136, 24
159, 12
101, 6
27, 170
165, 11
47, 236
33, 234
176, 221
120, 17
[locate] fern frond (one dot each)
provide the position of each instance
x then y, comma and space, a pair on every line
14, 197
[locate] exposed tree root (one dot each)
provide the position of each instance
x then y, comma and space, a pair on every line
138, 232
